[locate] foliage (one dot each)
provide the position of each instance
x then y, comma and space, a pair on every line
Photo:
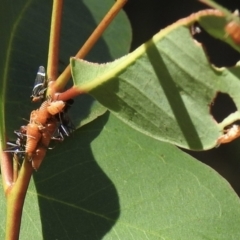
108, 180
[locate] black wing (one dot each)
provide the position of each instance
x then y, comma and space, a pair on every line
39, 85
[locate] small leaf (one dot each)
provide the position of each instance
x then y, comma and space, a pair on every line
165, 87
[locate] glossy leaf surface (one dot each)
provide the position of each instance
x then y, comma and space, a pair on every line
109, 181
166, 87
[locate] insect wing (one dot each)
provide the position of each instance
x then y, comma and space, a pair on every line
39, 85
66, 126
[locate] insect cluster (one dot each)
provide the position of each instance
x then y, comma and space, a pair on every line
49, 122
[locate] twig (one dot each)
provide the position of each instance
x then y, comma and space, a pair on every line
53, 51
15, 201
97, 33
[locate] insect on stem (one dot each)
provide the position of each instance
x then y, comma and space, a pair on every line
40, 85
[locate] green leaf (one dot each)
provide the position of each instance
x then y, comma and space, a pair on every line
24, 37
109, 181
215, 5
164, 88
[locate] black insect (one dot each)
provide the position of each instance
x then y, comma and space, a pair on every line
40, 85
65, 125
18, 147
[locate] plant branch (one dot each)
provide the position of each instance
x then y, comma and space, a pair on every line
15, 201
6, 170
66, 74
53, 51
15, 167
68, 94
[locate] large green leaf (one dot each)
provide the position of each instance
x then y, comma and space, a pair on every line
166, 86
25, 27
109, 181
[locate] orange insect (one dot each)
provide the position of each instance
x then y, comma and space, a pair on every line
48, 132
231, 134
44, 106
33, 137
233, 30
35, 118
38, 157
46, 137
40, 115
56, 107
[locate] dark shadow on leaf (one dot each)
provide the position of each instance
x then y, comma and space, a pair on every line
172, 93
107, 95
76, 198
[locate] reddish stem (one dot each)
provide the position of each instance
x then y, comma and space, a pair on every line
6, 170
68, 94
53, 51
84, 50
15, 201
15, 167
